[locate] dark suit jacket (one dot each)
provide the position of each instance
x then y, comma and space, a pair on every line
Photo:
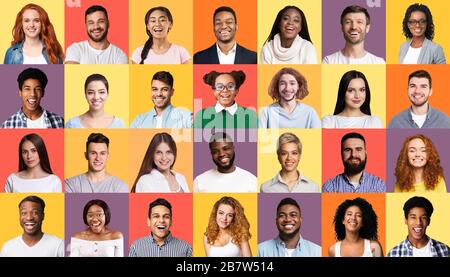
209, 56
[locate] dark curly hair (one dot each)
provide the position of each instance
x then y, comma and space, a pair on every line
429, 32
238, 76
369, 229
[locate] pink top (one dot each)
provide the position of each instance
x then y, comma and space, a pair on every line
175, 55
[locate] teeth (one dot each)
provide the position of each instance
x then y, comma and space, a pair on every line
30, 223
417, 229
289, 226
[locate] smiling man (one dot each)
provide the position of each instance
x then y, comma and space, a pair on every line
289, 242
33, 242
97, 49
163, 114
96, 179
226, 177
160, 243
418, 211
420, 114
32, 83
354, 178
225, 50
355, 25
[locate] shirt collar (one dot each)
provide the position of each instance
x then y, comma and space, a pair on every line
24, 117
300, 178
409, 245
279, 241
166, 241
231, 109
361, 180
165, 111
232, 50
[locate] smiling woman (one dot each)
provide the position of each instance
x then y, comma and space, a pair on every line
35, 173
97, 240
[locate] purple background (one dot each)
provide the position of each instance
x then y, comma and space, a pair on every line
245, 151
311, 209
395, 139
74, 205
332, 38
53, 99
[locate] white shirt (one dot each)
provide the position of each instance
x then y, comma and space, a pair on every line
412, 56
83, 53
301, 52
159, 120
419, 119
155, 181
89, 248
48, 246
337, 121
231, 109
239, 180
339, 58
51, 183
226, 58
424, 251
34, 60
37, 123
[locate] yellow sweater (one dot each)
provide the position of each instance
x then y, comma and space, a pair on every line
420, 187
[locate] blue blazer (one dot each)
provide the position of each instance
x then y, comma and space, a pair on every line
209, 56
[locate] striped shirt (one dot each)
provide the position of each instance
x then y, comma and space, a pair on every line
405, 249
19, 120
367, 183
172, 247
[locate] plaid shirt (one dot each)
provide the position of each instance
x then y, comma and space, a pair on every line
367, 183
405, 249
19, 120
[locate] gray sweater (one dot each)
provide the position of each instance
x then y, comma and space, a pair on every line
434, 119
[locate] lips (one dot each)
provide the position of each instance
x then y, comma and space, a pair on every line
29, 225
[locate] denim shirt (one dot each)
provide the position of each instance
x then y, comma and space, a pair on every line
14, 54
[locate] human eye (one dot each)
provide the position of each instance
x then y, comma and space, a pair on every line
231, 86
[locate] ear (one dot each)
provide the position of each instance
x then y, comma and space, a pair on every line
367, 28
431, 91
86, 155
149, 223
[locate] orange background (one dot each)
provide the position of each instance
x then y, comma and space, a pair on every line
397, 87
181, 215
311, 73
118, 22
54, 142
204, 26
330, 202
139, 140
246, 96
331, 151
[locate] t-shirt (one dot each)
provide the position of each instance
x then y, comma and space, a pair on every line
51, 183
81, 183
419, 119
76, 123
34, 60
83, 53
37, 123
239, 180
337, 121
174, 55
48, 246
424, 251
339, 58
412, 56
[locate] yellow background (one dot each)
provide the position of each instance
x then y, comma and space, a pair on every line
75, 146
181, 32
140, 140
376, 77
53, 223
395, 12
397, 230
267, 13
203, 205
54, 9
74, 97
310, 162
141, 82
311, 74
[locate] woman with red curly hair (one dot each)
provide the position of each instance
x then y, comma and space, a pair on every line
228, 232
34, 39
419, 167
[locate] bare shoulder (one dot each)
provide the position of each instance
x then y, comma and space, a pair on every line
116, 234
331, 252
376, 249
80, 235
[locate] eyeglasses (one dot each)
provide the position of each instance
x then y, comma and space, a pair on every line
96, 215
417, 22
219, 87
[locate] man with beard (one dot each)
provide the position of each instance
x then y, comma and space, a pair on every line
96, 179
355, 25
354, 178
227, 177
418, 211
163, 114
420, 114
97, 49
33, 242
289, 242
225, 50
161, 242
